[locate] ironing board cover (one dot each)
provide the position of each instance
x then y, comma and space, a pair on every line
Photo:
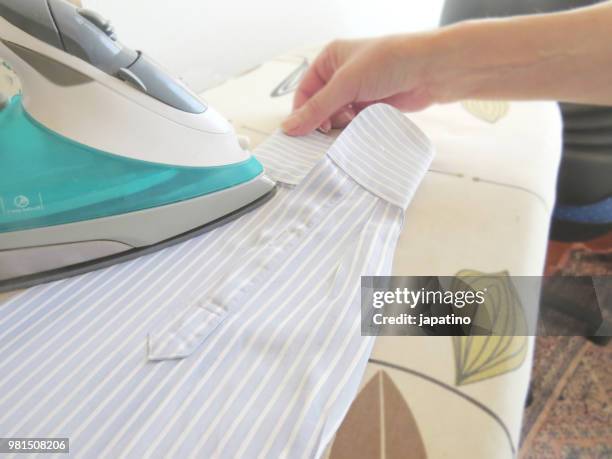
484, 206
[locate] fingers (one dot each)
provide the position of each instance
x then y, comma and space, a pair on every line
347, 77
343, 117
317, 75
320, 107
340, 117
310, 85
326, 126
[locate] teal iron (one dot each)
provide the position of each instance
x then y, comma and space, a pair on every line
103, 155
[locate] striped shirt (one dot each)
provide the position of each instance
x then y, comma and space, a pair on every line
242, 342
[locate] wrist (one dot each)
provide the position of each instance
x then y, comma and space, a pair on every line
456, 69
494, 58
434, 62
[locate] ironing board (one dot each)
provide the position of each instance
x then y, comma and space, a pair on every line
485, 205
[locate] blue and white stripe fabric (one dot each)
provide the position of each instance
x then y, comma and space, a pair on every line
243, 342
291, 168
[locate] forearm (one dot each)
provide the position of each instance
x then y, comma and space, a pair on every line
564, 56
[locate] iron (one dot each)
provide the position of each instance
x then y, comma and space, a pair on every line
104, 155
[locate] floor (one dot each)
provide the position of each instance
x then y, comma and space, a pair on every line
570, 415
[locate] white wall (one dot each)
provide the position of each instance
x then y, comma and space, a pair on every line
206, 41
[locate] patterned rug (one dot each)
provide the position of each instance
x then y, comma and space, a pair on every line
570, 415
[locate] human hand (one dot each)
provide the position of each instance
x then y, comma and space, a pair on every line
349, 75
520, 58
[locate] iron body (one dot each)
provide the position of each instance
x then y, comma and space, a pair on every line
104, 155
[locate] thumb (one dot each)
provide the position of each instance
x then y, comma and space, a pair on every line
320, 107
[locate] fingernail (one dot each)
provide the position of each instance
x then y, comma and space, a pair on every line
345, 117
292, 122
325, 127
